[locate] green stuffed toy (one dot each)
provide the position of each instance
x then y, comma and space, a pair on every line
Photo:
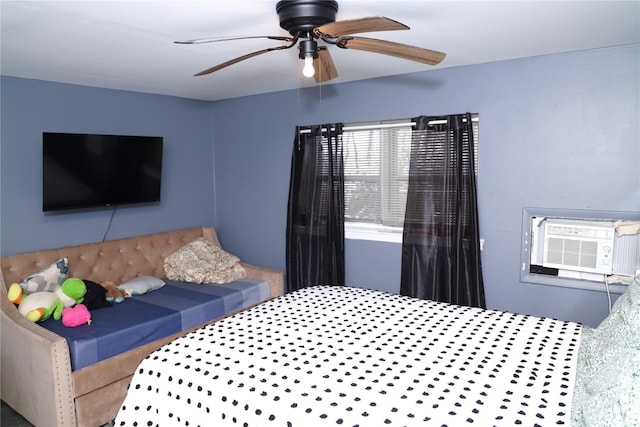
39, 306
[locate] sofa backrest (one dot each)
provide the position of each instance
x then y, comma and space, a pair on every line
117, 260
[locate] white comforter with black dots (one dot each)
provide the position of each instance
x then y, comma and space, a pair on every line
326, 356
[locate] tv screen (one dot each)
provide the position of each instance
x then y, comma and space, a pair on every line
83, 170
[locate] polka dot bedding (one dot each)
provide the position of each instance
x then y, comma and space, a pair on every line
332, 355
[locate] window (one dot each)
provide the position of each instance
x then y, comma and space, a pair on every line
376, 170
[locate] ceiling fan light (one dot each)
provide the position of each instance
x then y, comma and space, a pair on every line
308, 70
308, 50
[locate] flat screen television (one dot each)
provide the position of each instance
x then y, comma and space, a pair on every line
88, 171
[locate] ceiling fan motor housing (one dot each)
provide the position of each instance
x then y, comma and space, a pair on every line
300, 17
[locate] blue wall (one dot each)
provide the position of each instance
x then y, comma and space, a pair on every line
555, 131
30, 107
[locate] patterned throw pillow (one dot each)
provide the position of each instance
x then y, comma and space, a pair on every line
202, 261
48, 279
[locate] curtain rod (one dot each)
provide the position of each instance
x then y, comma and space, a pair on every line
387, 125
379, 126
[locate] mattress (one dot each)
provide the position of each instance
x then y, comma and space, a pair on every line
142, 319
330, 355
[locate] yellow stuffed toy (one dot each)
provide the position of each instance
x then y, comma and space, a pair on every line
39, 306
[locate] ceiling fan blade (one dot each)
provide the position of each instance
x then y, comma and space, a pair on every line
238, 59
399, 50
356, 26
324, 67
223, 39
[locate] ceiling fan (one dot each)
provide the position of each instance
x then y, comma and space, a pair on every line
311, 20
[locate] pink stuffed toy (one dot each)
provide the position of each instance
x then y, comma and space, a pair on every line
76, 316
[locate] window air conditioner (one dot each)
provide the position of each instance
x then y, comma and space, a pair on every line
588, 246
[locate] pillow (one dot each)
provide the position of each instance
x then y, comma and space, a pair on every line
141, 285
202, 261
608, 378
49, 279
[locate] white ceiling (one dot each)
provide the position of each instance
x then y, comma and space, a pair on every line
129, 44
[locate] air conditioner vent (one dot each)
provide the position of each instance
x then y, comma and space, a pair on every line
583, 247
571, 252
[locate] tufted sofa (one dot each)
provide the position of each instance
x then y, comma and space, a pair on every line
36, 375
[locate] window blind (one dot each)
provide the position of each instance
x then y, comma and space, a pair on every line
376, 169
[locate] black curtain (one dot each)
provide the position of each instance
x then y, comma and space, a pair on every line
441, 244
315, 214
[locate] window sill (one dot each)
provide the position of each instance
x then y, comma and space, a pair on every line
378, 233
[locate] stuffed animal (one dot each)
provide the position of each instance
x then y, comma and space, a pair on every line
113, 293
39, 306
76, 316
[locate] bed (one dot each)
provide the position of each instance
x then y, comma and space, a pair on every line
329, 355
142, 319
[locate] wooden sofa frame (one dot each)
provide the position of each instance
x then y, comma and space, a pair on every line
35, 367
